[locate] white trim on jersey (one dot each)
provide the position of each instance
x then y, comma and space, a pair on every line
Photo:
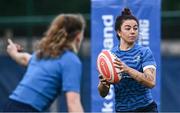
149, 66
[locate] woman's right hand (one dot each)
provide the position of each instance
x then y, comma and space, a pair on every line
103, 86
103, 81
15, 52
11, 48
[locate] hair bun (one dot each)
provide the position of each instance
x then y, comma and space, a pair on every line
126, 11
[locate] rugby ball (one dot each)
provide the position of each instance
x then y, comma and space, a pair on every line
106, 67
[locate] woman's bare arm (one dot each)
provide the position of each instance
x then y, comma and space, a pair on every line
21, 58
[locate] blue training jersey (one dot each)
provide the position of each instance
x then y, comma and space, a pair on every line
46, 78
130, 94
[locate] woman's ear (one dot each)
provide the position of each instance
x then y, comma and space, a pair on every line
78, 38
119, 33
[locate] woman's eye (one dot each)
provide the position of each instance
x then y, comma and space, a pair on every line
127, 28
135, 28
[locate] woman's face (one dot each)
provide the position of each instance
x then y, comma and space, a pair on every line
129, 31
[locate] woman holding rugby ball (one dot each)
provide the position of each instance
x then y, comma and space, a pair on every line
138, 68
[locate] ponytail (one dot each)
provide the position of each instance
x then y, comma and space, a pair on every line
62, 31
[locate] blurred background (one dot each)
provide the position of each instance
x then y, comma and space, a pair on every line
25, 21
170, 60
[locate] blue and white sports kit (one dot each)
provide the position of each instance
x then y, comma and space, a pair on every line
130, 94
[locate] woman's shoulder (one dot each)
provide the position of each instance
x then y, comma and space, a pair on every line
142, 48
70, 57
69, 54
114, 49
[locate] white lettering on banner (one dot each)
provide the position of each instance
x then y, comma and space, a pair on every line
144, 27
111, 94
107, 107
108, 31
108, 104
108, 43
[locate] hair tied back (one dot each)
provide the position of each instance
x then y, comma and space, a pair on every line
126, 11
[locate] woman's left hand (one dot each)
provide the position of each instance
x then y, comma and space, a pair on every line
121, 65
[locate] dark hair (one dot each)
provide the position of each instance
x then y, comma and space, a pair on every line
125, 15
61, 32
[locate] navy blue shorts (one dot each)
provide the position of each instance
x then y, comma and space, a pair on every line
15, 106
149, 108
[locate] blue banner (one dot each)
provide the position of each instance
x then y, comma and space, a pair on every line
103, 36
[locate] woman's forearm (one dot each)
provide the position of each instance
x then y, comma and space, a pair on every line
14, 49
147, 78
21, 58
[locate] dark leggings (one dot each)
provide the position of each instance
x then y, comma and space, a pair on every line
15, 106
149, 108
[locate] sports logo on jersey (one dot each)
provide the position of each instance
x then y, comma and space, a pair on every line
137, 58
